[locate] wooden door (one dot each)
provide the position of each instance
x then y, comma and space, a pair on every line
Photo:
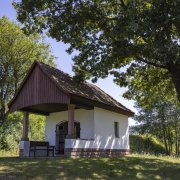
61, 133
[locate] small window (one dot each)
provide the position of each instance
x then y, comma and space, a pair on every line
116, 129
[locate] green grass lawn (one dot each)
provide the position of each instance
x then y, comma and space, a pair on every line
130, 167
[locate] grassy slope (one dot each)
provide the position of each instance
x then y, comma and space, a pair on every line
129, 167
146, 143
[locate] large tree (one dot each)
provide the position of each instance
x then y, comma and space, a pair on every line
111, 34
17, 53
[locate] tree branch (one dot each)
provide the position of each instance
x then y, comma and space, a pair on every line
150, 63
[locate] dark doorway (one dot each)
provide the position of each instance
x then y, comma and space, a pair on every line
61, 133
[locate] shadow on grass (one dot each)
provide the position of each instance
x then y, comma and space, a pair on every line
91, 168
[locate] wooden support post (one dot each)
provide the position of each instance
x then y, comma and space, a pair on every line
25, 127
71, 108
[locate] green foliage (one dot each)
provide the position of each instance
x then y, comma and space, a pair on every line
11, 130
146, 144
11, 153
161, 119
17, 52
37, 127
110, 35
146, 84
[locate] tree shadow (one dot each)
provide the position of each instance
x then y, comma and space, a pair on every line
88, 168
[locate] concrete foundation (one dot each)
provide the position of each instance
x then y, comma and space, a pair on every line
24, 149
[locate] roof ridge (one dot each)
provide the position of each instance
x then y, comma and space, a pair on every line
54, 68
57, 69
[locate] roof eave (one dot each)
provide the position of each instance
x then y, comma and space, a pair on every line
128, 113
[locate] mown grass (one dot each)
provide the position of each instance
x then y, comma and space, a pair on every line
130, 167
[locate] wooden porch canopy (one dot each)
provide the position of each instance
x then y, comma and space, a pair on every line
46, 90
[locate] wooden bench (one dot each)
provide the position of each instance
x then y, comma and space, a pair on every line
40, 146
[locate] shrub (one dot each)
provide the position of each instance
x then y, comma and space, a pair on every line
11, 130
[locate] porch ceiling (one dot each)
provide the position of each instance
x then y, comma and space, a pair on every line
46, 109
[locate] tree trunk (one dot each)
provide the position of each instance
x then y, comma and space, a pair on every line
169, 132
165, 139
177, 136
2, 106
178, 143
175, 74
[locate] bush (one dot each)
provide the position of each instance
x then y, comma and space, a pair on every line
36, 127
11, 130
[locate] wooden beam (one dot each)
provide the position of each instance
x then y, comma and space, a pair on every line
25, 127
71, 108
82, 105
34, 111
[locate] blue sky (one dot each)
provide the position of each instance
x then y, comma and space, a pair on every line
64, 60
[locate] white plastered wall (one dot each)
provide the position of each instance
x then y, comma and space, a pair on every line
104, 130
85, 117
104, 136
97, 129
